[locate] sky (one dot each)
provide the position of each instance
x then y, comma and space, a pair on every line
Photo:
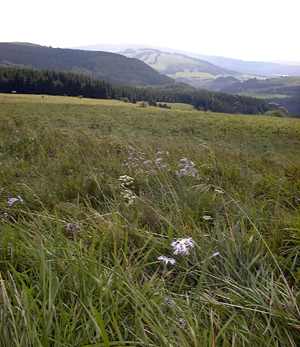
246, 29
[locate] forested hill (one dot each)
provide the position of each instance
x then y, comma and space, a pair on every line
61, 83
111, 67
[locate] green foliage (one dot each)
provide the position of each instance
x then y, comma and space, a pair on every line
97, 282
52, 83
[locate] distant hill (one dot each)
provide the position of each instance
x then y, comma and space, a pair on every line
181, 67
267, 69
242, 67
107, 66
283, 91
282, 86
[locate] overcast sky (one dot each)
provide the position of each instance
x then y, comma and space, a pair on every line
247, 29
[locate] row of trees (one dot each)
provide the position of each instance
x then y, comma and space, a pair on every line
52, 83
66, 83
292, 104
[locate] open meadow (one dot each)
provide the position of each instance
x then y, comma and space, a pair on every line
94, 195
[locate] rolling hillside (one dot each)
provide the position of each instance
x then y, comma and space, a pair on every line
111, 67
267, 69
284, 91
284, 86
180, 67
247, 69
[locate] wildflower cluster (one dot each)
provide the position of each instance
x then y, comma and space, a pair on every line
127, 194
159, 161
187, 168
137, 160
182, 246
126, 181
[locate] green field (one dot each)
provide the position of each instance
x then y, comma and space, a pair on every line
79, 250
264, 95
191, 74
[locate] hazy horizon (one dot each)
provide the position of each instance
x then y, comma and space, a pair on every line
110, 46
256, 30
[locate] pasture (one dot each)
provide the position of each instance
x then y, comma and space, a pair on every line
80, 247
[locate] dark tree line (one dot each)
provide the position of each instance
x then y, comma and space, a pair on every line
30, 81
292, 104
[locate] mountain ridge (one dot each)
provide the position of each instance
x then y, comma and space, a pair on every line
111, 67
179, 66
243, 66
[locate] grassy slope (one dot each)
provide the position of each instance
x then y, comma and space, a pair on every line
104, 286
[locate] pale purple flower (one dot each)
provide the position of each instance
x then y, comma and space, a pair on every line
166, 260
135, 158
12, 201
182, 246
187, 168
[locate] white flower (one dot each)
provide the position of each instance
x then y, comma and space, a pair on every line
126, 193
207, 218
215, 254
219, 191
182, 246
12, 201
126, 180
128, 196
166, 260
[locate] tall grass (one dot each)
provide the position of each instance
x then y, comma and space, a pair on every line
100, 283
